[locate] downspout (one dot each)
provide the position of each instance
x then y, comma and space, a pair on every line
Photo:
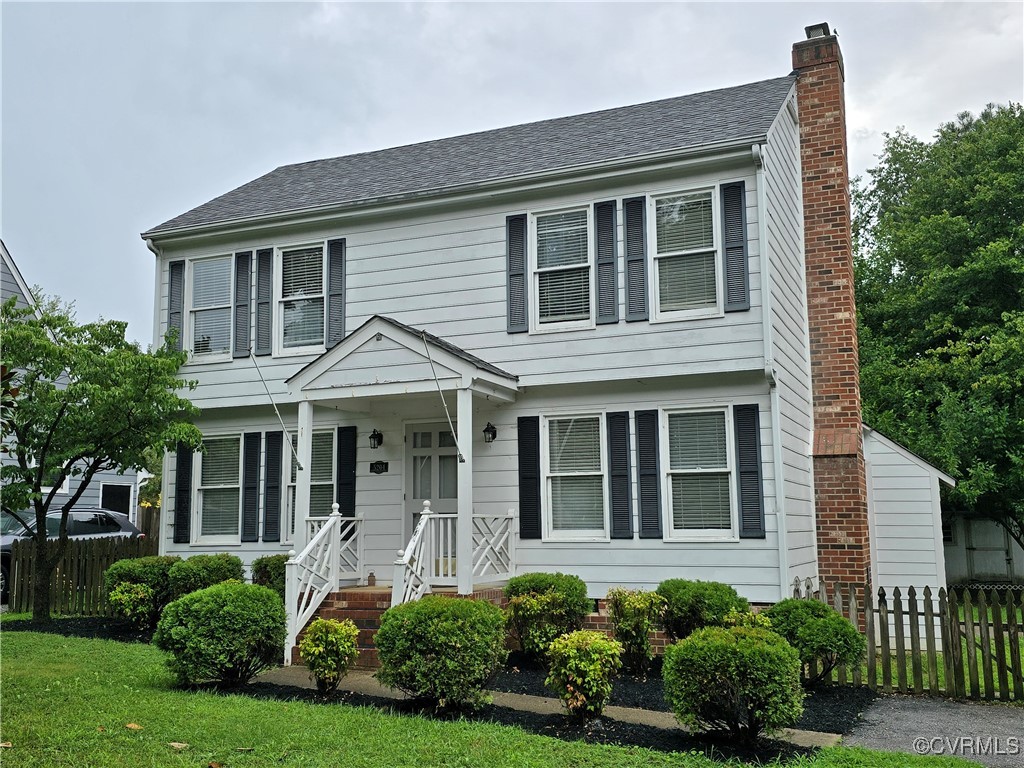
767, 289
166, 463
156, 291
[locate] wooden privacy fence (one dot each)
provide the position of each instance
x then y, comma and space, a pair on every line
964, 643
76, 586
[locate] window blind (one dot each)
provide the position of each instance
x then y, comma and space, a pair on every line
302, 283
697, 441
701, 502
219, 488
687, 281
211, 305
576, 488
563, 261
685, 223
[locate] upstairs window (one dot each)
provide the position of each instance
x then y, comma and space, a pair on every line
575, 487
700, 475
301, 297
562, 283
210, 306
686, 254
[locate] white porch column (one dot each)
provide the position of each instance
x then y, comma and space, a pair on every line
302, 475
464, 527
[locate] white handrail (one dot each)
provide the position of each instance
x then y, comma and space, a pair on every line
411, 582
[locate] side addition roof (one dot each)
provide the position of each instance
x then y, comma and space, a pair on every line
720, 117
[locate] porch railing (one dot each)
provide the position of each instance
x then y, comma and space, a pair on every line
429, 560
333, 553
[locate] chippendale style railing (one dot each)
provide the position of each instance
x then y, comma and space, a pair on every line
334, 553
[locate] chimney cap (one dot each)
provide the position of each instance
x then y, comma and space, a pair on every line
817, 30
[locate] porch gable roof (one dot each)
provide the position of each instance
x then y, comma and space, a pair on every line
384, 353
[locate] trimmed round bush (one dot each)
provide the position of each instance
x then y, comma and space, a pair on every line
201, 571
635, 614
443, 650
269, 572
691, 605
135, 603
582, 665
153, 572
328, 648
224, 634
823, 638
543, 606
743, 680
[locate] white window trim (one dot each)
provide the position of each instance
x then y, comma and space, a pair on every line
65, 487
188, 329
279, 349
536, 327
706, 534
549, 534
657, 315
197, 473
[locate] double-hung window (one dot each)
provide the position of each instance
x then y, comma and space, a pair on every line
563, 266
700, 474
321, 485
209, 319
686, 254
219, 496
574, 477
301, 298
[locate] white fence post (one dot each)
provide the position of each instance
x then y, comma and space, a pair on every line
291, 604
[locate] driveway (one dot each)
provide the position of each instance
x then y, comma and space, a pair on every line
990, 734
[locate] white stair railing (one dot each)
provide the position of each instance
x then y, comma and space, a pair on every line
412, 568
334, 553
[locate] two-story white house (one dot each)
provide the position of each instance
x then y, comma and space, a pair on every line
585, 341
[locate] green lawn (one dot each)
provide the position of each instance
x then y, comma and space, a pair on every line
67, 702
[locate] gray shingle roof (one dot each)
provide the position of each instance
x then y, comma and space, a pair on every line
684, 122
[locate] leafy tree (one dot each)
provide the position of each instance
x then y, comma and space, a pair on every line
939, 238
80, 399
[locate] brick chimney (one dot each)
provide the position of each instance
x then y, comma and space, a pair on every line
840, 486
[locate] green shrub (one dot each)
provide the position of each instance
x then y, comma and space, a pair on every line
151, 571
135, 603
634, 614
543, 606
201, 571
743, 680
582, 665
691, 605
736, 618
269, 572
822, 637
329, 648
443, 650
223, 634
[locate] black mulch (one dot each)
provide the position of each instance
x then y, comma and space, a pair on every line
832, 710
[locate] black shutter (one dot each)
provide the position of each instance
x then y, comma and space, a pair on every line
182, 494
648, 474
734, 227
618, 475
335, 291
607, 263
272, 487
251, 486
529, 477
747, 422
264, 301
515, 243
176, 301
243, 302
345, 492
634, 215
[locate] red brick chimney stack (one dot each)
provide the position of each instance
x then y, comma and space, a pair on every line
840, 491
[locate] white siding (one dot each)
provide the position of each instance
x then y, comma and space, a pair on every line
784, 228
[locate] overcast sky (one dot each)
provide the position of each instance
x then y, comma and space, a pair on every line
117, 117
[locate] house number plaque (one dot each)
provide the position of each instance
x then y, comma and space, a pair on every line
378, 467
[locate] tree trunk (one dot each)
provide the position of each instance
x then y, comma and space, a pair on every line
47, 555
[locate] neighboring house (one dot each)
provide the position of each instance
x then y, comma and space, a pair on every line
980, 551
108, 489
641, 321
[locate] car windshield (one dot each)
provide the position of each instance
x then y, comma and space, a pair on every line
9, 524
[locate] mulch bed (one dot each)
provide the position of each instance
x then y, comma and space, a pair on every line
830, 709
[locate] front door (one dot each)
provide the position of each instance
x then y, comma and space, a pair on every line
433, 471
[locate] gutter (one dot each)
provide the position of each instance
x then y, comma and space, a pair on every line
461, 192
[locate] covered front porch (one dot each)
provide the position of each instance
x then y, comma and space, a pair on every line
412, 415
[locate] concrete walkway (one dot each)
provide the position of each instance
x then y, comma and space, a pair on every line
990, 734
362, 681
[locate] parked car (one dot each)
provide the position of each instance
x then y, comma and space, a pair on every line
83, 523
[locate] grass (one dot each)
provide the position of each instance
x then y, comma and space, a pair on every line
68, 702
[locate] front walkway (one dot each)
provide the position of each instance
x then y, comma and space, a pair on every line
363, 681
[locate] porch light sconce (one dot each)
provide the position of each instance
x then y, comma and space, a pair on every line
490, 432
376, 439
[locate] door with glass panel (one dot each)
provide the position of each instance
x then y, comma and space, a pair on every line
432, 474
